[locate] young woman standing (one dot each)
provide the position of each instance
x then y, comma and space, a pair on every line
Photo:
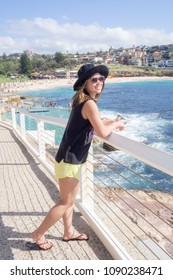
73, 151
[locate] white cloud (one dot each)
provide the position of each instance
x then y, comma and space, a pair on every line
46, 35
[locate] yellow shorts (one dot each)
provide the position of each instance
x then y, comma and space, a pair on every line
63, 170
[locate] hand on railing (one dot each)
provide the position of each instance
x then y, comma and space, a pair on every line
120, 124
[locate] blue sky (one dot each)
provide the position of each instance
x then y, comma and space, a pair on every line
48, 26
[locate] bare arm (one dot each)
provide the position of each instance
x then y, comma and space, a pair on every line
103, 128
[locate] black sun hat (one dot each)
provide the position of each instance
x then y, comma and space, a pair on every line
86, 71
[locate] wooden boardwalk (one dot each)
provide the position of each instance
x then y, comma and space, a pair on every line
27, 191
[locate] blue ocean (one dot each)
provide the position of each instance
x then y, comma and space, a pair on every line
146, 106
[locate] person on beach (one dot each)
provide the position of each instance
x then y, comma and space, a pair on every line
84, 119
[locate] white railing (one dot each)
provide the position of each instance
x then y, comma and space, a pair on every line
131, 223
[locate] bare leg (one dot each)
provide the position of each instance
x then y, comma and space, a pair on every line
69, 231
67, 221
69, 188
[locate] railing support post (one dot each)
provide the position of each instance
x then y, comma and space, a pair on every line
13, 111
22, 124
41, 142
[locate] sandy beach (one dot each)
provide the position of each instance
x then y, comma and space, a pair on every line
17, 87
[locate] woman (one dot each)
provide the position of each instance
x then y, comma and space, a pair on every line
73, 151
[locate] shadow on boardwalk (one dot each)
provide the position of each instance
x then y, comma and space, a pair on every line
27, 191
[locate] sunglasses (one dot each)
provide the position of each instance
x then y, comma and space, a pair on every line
95, 79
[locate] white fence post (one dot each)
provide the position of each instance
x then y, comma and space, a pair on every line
41, 142
22, 125
14, 118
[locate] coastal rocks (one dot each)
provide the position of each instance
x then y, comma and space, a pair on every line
148, 215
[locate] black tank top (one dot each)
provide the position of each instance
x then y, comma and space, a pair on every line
77, 138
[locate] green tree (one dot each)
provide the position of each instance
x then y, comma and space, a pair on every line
25, 64
59, 58
4, 57
38, 63
9, 67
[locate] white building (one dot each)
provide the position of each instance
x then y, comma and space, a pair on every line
169, 63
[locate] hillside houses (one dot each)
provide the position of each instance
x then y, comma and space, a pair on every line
137, 56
